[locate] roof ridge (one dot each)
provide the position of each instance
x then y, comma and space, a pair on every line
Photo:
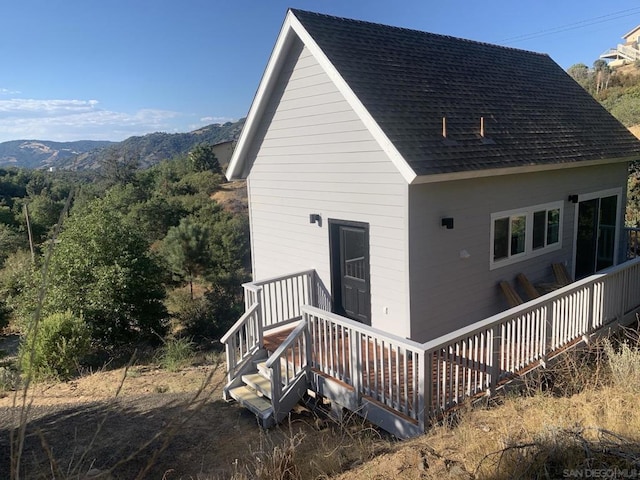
295, 11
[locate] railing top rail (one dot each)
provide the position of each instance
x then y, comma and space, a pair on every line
258, 283
359, 327
239, 323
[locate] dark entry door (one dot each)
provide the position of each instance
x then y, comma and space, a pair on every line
350, 283
596, 235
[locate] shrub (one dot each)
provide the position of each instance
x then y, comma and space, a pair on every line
175, 354
624, 363
9, 379
54, 349
205, 318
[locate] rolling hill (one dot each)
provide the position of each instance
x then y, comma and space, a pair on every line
146, 150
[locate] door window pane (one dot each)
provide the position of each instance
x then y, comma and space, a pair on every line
354, 252
607, 232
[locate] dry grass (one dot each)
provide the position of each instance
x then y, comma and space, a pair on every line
579, 417
573, 419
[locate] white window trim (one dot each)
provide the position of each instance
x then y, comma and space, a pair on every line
529, 252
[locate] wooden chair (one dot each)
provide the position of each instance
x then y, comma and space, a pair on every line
512, 297
527, 286
562, 275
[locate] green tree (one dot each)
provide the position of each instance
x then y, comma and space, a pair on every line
185, 249
119, 169
10, 241
44, 213
202, 159
102, 270
579, 72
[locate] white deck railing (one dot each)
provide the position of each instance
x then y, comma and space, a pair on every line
281, 298
376, 364
420, 381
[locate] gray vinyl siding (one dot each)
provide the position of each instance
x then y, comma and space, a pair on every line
449, 292
312, 154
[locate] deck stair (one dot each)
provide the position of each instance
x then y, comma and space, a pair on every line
255, 393
282, 370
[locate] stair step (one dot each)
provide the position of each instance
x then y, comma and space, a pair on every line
259, 383
249, 399
261, 366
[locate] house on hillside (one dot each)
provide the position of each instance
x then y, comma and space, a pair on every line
403, 175
426, 185
624, 53
223, 152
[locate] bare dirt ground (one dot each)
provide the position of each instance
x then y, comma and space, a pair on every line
86, 426
124, 421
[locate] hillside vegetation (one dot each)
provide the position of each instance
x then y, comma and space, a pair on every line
617, 90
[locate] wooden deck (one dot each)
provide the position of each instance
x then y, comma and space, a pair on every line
401, 384
385, 373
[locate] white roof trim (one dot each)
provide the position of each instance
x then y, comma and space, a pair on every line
494, 172
235, 168
290, 27
630, 32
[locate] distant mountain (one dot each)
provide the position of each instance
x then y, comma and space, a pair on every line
147, 150
152, 148
42, 153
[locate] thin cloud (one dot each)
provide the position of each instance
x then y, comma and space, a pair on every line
68, 120
210, 120
6, 91
21, 106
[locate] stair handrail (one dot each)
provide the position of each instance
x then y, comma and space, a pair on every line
296, 352
243, 339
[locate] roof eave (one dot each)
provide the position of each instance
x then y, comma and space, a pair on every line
630, 32
492, 172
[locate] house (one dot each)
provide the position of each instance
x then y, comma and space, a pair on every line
404, 175
223, 152
384, 133
624, 53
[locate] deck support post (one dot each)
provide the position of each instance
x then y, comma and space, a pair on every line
260, 332
548, 335
496, 355
313, 288
308, 348
425, 389
355, 360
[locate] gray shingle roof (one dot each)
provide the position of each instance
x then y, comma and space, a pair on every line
534, 113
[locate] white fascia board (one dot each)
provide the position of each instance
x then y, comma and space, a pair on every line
260, 100
630, 32
387, 146
494, 172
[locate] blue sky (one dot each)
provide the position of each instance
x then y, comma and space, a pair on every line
109, 69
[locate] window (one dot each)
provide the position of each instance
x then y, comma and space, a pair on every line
520, 234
